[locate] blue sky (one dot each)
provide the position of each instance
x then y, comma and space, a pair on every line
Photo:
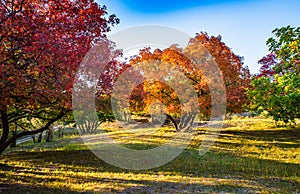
244, 25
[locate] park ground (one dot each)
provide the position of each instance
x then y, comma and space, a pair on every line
251, 155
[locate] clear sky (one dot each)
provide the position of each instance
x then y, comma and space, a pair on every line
244, 25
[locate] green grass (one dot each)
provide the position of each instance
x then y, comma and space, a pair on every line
249, 156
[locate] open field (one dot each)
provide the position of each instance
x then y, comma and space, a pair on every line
250, 155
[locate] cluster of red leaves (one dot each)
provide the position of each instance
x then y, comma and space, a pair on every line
267, 65
235, 75
42, 45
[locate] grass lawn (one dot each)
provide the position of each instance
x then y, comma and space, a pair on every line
249, 156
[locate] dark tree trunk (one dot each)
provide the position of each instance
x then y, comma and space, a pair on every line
14, 143
185, 123
49, 135
40, 137
173, 121
33, 138
5, 142
5, 129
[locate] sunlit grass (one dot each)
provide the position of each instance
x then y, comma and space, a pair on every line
250, 155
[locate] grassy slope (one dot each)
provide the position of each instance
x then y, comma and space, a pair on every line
250, 155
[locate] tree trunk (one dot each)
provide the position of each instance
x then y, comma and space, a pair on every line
49, 135
173, 121
40, 137
185, 123
14, 143
5, 142
5, 129
33, 138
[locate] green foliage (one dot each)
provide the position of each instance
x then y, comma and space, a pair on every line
286, 46
279, 97
279, 94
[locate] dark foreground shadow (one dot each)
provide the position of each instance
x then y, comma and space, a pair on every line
243, 174
23, 188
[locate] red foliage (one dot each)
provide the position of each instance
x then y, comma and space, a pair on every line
267, 65
42, 43
235, 75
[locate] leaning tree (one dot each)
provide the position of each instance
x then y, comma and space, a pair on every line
42, 43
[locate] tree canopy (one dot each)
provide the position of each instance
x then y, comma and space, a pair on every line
236, 76
276, 89
42, 43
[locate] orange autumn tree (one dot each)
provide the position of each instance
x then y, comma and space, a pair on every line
236, 77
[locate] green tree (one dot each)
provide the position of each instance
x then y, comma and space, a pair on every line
276, 89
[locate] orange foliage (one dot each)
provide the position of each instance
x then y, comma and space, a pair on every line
236, 77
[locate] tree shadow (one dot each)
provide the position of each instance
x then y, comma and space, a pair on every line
286, 138
250, 174
213, 166
25, 188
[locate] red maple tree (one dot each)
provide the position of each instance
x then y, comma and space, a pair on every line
42, 43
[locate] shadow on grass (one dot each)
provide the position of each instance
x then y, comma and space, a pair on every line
25, 188
34, 168
285, 138
56, 171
